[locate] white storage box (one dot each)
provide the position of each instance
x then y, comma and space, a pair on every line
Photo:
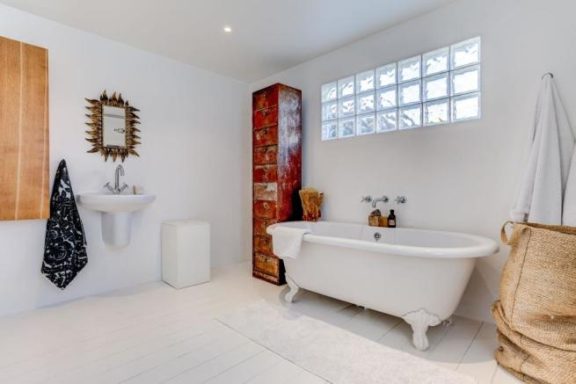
185, 252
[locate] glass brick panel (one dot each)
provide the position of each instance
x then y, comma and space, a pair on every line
329, 111
346, 127
409, 93
436, 62
346, 107
409, 69
329, 130
466, 80
466, 53
386, 98
365, 103
365, 81
387, 121
466, 107
411, 117
346, 87
386, 75
436, 87
437, 112
329, 91
365, 124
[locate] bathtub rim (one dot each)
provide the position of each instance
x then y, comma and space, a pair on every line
485, 246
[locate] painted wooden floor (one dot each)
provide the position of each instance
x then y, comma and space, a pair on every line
155, 334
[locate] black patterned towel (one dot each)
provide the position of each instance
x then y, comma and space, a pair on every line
65, 247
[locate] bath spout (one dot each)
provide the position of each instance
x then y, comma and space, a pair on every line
375, 201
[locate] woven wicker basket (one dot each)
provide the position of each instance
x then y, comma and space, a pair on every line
536, 313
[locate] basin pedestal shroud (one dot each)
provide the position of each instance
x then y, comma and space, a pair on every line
116, 212
116, 228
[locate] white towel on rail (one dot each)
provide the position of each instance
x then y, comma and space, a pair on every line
542, 190
287, 241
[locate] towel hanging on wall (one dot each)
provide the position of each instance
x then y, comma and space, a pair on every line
542, 192
569, 209
65, 246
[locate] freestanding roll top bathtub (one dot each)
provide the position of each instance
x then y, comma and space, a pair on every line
417, 275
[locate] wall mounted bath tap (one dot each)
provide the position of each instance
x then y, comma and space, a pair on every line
400, 200
117, 189
366, 199
375, 201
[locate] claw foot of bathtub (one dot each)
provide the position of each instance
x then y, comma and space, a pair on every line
294, 288
420, 320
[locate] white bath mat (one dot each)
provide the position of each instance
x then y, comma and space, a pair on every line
334, 354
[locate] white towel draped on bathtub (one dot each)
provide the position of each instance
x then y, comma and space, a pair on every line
541, 195
287, 241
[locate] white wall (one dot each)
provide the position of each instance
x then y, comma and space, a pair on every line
193, 157
459, 177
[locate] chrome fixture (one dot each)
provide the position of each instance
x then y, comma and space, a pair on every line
377, 236
117, 189
375, 201
366, 199
400, 200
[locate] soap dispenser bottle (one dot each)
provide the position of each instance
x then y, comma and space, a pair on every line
391, 219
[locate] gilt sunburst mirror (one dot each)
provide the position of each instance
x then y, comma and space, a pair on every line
113, 127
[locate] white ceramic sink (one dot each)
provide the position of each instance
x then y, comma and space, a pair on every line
116, 213
115, 203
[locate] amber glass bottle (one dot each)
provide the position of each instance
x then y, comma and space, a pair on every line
391, 219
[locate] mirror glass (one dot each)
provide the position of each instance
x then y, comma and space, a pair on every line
113, 126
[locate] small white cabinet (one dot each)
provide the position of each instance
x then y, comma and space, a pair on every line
185, 252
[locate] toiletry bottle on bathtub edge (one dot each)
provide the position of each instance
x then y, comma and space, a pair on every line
391, 219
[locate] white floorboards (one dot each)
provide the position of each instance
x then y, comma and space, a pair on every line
155, 334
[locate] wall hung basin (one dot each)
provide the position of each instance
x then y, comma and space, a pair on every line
105, 202
116, 213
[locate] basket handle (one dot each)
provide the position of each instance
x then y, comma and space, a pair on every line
503, 235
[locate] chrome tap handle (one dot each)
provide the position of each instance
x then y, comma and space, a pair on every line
401, 200
109, 187
123, 187
366, 199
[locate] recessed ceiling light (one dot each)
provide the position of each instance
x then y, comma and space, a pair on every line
227, 29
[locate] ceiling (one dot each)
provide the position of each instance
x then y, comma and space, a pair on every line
267, 36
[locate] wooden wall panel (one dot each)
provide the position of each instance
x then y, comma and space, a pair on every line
24, 184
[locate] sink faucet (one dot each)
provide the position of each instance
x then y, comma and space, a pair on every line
117, 189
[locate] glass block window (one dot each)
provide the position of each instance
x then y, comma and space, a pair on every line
438, 87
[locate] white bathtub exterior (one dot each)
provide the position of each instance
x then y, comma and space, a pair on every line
418, 275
